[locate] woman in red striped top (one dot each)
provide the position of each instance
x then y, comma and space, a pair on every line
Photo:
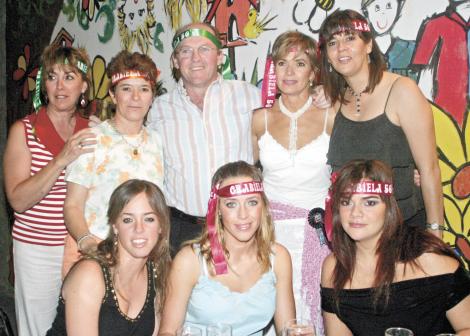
39, 147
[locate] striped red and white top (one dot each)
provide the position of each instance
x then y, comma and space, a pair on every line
43, 224
196, 143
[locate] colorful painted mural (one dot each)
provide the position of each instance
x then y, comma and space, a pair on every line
427, 43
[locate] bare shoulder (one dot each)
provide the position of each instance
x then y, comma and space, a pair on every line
327, 270
404, 86
186, 260
86, 278
280, 251
437, 264
282, 260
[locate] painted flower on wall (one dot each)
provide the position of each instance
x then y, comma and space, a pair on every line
454, 155
25, 74
99, 90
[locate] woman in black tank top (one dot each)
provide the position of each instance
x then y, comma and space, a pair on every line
381, 116
119, 288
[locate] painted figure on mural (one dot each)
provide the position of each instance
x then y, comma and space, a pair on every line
135, 19
383, 15
442, 47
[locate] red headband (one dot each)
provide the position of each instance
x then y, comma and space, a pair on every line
232, 190
363, 187
117, 77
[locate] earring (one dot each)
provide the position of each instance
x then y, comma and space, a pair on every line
83, 101
115, 240
330, 69
368, 58
310, 82
46, 99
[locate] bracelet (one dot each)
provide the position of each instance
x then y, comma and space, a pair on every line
435, 226
82, 238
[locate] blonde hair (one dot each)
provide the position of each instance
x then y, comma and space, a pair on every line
264, 236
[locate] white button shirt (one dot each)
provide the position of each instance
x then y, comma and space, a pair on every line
196, 143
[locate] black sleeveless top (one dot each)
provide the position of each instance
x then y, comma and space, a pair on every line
378, 139
418, 304
112, 321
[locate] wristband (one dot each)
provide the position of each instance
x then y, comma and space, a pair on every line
82, 238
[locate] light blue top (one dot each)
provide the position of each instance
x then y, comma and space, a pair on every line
248, 313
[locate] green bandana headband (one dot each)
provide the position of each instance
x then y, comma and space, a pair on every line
196, 32
37, 103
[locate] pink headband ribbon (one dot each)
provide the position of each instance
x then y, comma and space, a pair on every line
363, 187
269, 87
232, 190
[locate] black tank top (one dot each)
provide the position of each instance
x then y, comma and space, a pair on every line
112, 321
378, 139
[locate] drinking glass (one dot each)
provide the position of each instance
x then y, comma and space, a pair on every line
219, 329
397, 331
299, 327
188, 330
446, 334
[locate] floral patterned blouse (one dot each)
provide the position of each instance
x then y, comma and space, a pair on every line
116, 159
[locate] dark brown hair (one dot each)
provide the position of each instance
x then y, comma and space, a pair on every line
398, 242
334, 83
107, 251
305, 43
66, 57
264, 235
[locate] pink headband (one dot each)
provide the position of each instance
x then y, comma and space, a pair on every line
117, 77
363, 187
232, 190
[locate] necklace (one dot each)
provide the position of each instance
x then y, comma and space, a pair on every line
293, 116
358, 98
135, 148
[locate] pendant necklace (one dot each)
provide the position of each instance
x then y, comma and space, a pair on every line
293, 116
135, 148
357, 96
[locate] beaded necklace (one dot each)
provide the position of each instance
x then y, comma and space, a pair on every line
293, 116
358, 98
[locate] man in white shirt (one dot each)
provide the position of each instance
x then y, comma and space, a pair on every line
204, 122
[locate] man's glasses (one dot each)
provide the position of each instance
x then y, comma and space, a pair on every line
188, 52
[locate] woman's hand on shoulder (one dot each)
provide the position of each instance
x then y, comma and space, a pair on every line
83, 292
79, 143
319, 97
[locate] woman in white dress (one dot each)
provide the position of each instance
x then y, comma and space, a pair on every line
291, 141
